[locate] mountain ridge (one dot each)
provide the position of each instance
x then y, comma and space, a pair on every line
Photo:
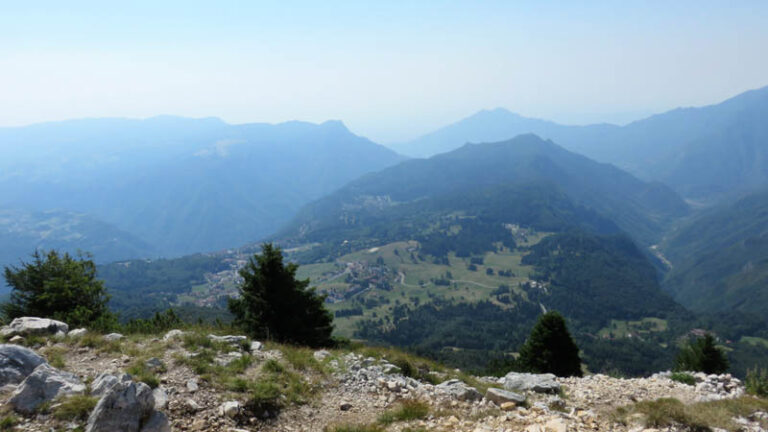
671, 147
182, 185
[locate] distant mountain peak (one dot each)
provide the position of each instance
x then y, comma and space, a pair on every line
336, 125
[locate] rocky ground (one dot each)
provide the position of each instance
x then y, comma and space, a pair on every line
190, 381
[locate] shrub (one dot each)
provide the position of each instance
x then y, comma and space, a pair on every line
8, 422
161, 322
683, 377
756, 382
702, 355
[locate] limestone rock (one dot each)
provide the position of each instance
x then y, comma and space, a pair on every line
16, 362
155, 364
539, 383
229, 339
230, 409
113, 337
457, 389
227, 358
192, 386
556, 425
499, 396
160, 397
173, 334
157, 422
25, 326
105, 381
43, 385
256, 346
321, 355
77, 332
123, 408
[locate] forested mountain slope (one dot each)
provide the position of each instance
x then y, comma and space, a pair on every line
720, 258
639, 208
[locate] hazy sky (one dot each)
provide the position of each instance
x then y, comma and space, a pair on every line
390, 70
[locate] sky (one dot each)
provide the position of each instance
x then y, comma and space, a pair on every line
391, 70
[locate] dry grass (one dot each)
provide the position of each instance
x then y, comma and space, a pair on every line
406, 411
702, 416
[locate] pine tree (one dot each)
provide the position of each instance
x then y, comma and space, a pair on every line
58, 286
273, 304
550, 348
702, 355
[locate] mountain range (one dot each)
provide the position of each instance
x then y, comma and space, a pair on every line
179, 185
705, 154
596, 221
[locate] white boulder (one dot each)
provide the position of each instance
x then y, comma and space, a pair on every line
43, 385
25, 326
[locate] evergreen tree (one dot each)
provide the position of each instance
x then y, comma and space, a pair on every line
550, 349
58, 286
702, 355
273, 304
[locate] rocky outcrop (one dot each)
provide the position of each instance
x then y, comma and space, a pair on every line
26, 326
44, 384
126, 407
523, 382
105, 381
229, 339
16, 363
712, 386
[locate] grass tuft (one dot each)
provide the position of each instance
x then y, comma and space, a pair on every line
74, 408
756, 382
683, 377
301, 358
140, 372
354, 428
8, 422
408, 410
55, 357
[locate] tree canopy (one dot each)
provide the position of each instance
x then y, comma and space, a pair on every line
58, 286
550, 349
702, 355
273, 304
